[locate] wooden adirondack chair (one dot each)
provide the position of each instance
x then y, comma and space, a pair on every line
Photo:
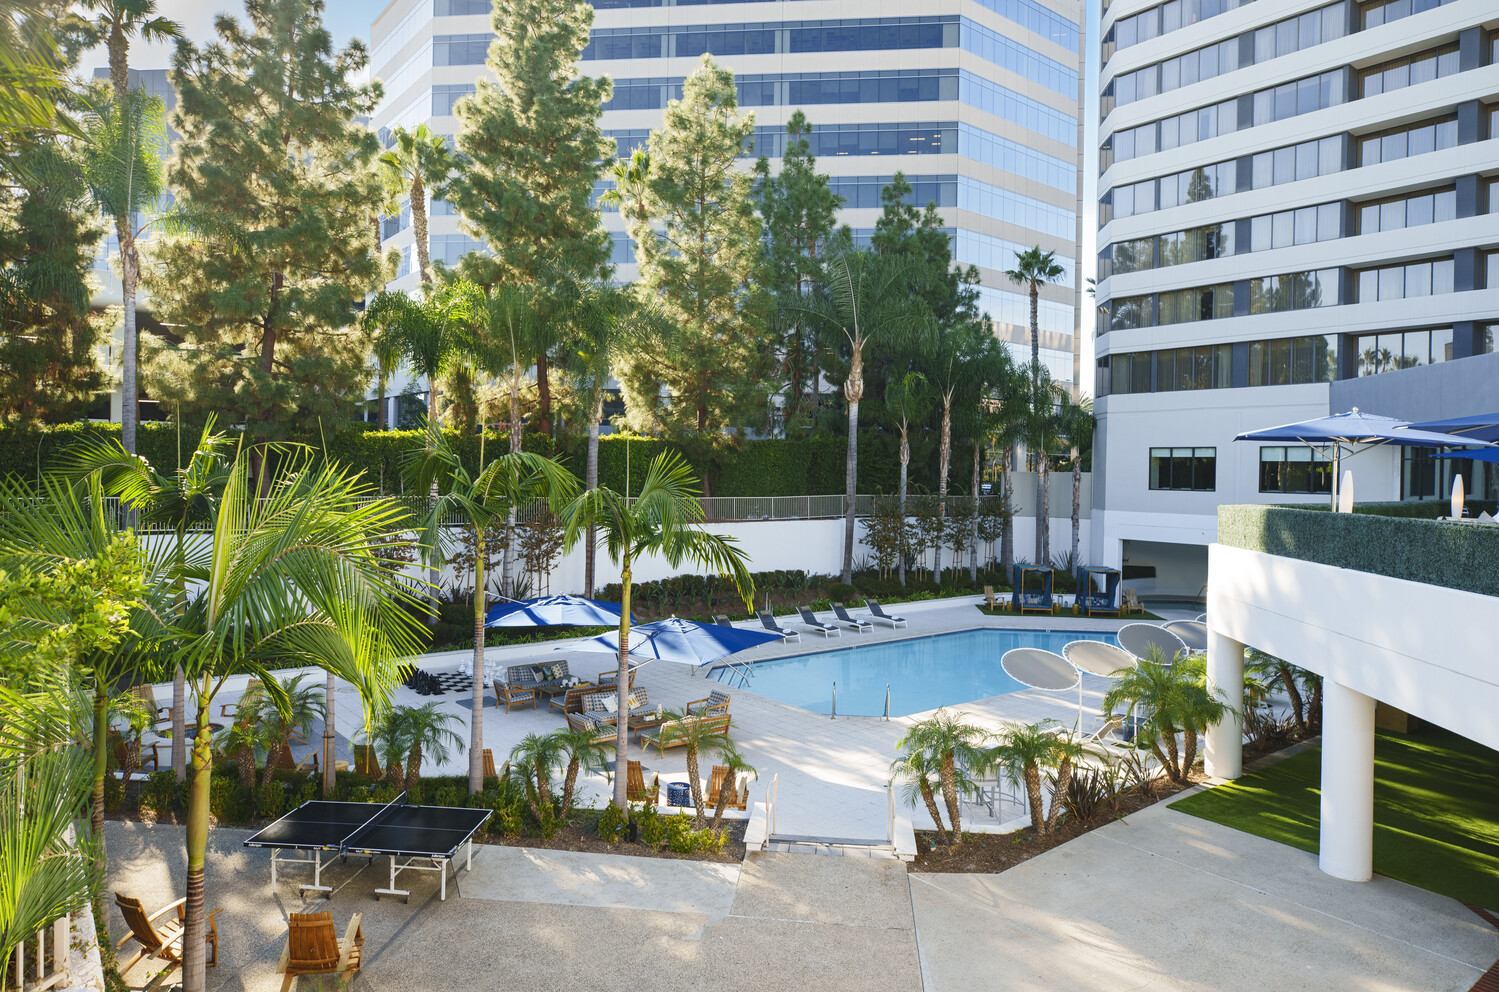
489, 771
723, 780
160, 942
635, 789
313, 948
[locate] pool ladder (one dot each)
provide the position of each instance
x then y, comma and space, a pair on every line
740, 673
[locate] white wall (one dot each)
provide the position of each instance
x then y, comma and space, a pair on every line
1425, 649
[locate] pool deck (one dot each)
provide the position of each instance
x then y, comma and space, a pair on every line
831, 774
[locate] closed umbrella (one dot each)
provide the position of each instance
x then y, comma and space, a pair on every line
684, 641
553, 611
1351, 433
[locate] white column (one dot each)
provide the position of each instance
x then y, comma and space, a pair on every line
1224, 757
1347, 841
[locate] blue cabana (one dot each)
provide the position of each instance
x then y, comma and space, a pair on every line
1098, 589
1032, 589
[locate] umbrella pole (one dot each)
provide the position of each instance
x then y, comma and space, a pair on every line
1337, 474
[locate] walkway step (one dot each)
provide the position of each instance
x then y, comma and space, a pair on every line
832, 847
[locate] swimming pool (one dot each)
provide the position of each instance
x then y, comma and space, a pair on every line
923, 672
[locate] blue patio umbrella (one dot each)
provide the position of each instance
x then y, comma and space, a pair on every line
553, 611
1480, 427
684, 641
1354, 431
1476, 454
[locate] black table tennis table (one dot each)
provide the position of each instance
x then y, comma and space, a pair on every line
406, 834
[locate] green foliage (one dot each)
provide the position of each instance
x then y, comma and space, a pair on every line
269, 800
227, 802
161, 794
675, 832
1454, 556
613, 824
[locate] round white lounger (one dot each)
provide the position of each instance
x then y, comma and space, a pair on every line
1096, 658
1192, 633
1139, 638
1039, 669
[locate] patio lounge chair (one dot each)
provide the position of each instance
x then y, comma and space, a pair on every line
722, 620
513, 696
144, 752
1097, 590
851, 622
313, 948
716, 703
635, 788
602, 707
1032, 592
160, 942
489, 770
604, 732
230, 711
669, 734
736, 798
769, 623
809, 619
989, 602
1132, 602
877, 612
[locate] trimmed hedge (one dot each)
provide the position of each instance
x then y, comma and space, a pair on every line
1455, 556
776, 467
1426, 509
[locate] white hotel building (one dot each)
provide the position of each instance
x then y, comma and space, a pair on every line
975, 100
1298, 214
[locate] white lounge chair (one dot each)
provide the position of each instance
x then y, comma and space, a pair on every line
876, 612
769, 623
853, 623
809, 620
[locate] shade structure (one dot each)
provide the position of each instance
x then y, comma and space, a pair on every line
1476, 454
1039, 669
553, 611
1352, 432
1480, 427
1193, 634
1095, 658
1139, 638
685, 641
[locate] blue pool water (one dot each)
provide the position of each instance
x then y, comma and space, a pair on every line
923, 672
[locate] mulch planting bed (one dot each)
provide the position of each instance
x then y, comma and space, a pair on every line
576, 837
992, 853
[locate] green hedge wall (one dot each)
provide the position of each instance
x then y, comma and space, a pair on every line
1426, 509
778, 467
1455, 556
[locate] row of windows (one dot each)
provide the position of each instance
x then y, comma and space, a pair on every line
1413, 70
1008, 307
989, 252
460, 49
1386, 11
1395, 350
1130, 31
873, 86
1185, 469
1429, 277
1412, 210
1252, 48
1294, 470
1267, 294
1274, 362
769, 38
1403, 142
996, 48
446, 95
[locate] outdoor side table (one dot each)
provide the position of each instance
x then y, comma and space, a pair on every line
678, 794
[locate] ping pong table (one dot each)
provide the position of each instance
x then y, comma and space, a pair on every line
406, 834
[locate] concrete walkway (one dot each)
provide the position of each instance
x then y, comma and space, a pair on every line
1161, 900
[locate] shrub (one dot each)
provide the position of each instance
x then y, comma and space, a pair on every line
613, 824
1087, 791
161, 795
269, 800
227, 802
114, 793
841, 592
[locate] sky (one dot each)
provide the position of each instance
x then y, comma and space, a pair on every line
352, 18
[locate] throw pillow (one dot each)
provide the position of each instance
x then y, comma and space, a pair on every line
539, 673
633, 701
611, 705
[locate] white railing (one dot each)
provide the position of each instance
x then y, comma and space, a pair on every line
48, 967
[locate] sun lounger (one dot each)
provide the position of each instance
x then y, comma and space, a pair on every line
809, 620
722, 620
877, 612
769, 623
852, 622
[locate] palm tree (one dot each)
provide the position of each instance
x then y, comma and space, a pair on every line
1076, 423
1043, 438
631, 180
664, 519
418, 162
284, 578
1175, 699
387, 735
183, 499
533, 761
1033, 269
1023, 753
428, 733
584, 753
427, 332
920, 771
1272, 669
698, 737
867, 296
497, 489
737, 766
124, 143
290, 710
943, 745
906, 397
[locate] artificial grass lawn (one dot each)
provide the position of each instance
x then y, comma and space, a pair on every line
1436, 810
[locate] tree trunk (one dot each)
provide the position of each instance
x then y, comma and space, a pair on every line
507, 553
129, 277
850, 486
96, 808
1189, 753
973, 533
1035, 344
543, 395
721, 801
1006, 530
1064, 776
194, 951
568, 784
476, 717
330, 780
622, 690
1293, 693
414, 767
1077, 498
591, 481
905, 462
381, 420
932, 811
700, 818
1033, 795
944, 461
419, 227
179, 723
272, 754
948, 773
1043, 510
244, 764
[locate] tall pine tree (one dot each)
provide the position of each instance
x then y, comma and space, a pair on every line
798, 208
532, 151
698, 253
908, 231
277, 181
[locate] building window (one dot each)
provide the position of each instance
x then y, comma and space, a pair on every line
1293, 291
1293, 361
1130, 373
445, 96
1202, 367
1402, 282
1394, 350
1409, 71
1385, 11
1403, 142
460, 49
1407, 211
1131, 312
1191, 469
1294, 470
1185, 306
1295, 227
